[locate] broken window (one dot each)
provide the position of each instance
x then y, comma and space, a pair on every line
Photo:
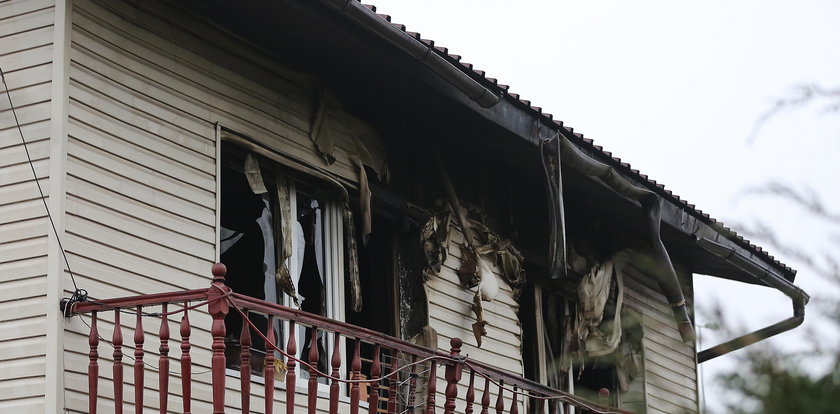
281, 239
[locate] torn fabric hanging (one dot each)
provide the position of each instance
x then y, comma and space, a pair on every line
283, 239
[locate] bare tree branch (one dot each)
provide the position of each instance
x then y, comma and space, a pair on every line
801, 95
804, 197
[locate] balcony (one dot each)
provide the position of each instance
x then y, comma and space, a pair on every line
381, 374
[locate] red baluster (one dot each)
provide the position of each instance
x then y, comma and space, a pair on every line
117, 340
313, 371
163, 361
139, 368
500, 399
336, 366
218, 308
93, 365
452, 375
392, 383
291, 378
412, 384
269, 367
514, 405
431, 388
567, 407
375, 372
245, 365
355, 367
485, 396
186, 361
470, 393
540, 405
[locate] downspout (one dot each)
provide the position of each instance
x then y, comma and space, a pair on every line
664, 274
766, 276
419, 51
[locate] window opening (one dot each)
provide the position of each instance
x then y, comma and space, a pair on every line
255, 195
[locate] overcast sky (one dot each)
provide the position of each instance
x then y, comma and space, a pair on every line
676, 89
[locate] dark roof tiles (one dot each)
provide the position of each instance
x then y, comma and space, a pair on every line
493, 84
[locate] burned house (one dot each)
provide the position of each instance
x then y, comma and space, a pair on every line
399, 232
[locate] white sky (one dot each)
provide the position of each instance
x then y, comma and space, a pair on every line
675, 88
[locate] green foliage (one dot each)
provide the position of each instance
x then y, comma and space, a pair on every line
771, 383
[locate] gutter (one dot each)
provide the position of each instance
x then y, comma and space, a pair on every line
421, 52
664, 273
766, 276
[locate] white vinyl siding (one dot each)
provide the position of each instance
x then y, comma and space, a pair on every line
146, 91
26, 53
670, 368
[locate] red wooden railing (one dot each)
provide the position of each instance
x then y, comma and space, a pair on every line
395, 376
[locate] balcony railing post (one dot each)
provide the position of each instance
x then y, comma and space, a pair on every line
117, 340
163, 361
335, 362
453, 375
269, 367
375, 372
139, 367
355, 375
470, 394
186, 361
93, 366
245, 365
431, 388
218, 308
313, 370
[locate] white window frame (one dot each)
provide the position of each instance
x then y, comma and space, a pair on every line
333, 268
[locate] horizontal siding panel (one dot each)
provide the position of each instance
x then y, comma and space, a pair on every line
24, 249
10, 137
460, 299
26, 115
140, 193
683, 378
23, 230
23, 59
260, 78
195, 144
128, 152
22, 368
22, 328
178, 72
29, 21
28, 86
23, 348
14, 8
22, 388
146, 231
19, 211
23, 405
668, 358
155, 217
114, 92
22, 308
670, 369
670, 400
22, 173
140, 173
23, 286
22, 192
126, 249
27, 40
11, 271
161, 150
104, 279
16, 155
